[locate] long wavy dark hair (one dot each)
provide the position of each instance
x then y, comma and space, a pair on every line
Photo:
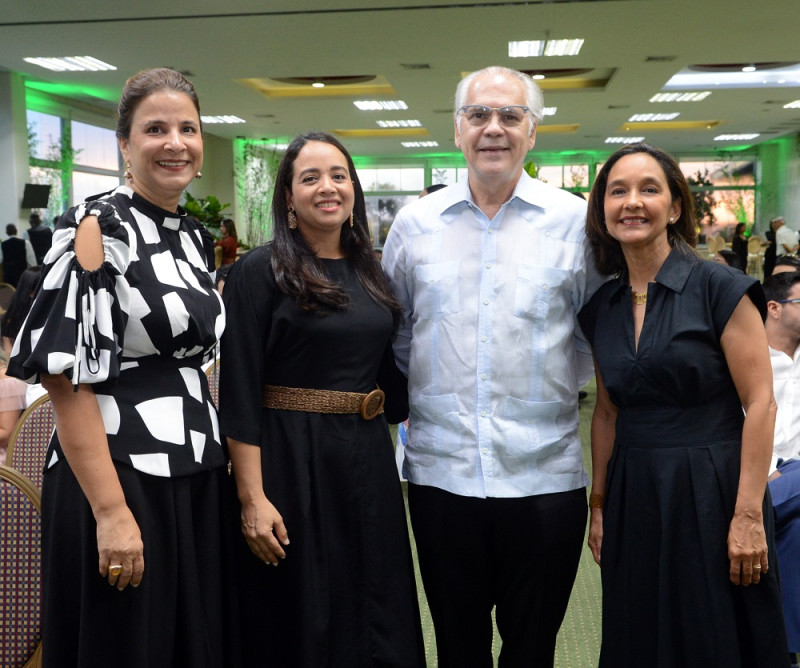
298, 271
681, 234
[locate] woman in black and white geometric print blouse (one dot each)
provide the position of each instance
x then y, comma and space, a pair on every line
133, 520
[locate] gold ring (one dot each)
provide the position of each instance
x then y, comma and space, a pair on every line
114, 571
757, 567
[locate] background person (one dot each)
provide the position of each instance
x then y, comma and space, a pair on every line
12, 403
739, 245
16, 255
19, 306
229, 242
310, 317
680, 522
491, 272
134, 494
786, 242
40, 236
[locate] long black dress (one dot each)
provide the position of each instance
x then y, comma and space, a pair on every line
673, 477
345, 595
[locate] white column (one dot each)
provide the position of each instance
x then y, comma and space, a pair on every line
14, 171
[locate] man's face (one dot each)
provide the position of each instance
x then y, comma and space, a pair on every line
495, 153
789, 316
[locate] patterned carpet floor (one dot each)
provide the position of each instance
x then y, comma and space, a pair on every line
578, 643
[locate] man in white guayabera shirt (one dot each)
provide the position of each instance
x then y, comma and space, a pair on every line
491, 273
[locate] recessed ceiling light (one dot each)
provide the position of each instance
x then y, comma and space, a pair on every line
749, 68
411, 123
792, 105
623, 140
318, 84
650, 118
544, 47
71, 64
680, 97
549, 111
222, 119
420, 144
739, 137
538, 77
380, 105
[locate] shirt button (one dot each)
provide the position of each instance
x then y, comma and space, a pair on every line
486, 301
483, 413
488, 265
490, 231
484, 451
483, 338
545, 286
483, 376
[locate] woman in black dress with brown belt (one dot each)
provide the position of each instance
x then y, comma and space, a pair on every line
310, 320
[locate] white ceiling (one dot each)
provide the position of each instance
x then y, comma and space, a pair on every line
220, 42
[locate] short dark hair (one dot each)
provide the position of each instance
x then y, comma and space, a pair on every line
434, 187
11, 229
145, 83
681, 234
787, 261
779, 286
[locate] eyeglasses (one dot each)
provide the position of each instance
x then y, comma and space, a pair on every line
479, 115
788, 301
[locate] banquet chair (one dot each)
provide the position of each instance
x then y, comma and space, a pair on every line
20, 573
754, 264
27, 446
212, 373
715, 244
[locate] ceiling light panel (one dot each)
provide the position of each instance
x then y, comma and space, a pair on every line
549, 111
420, 144
411, 123
380, 105
623, 140
540, 47
71, 64
681, 97
792, 105
652, 118
739, 137
222, 119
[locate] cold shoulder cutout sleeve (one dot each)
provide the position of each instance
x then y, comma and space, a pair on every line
77, 321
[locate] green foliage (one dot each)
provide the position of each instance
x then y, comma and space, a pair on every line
531, 168
208, 210
703, 195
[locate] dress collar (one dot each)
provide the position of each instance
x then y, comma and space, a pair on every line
673, 273
169, 219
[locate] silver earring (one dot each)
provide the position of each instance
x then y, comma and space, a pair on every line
292, 219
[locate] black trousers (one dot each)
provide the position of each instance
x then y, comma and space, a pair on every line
519, 555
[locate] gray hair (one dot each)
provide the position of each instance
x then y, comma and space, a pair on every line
534, 99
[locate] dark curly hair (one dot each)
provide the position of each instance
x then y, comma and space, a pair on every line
298, 271
681, 234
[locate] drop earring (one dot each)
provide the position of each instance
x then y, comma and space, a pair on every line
127, 175
351, 219
292, 219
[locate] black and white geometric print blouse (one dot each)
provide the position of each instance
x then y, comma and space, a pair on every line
138, 329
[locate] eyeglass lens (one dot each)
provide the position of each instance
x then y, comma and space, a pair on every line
480, 115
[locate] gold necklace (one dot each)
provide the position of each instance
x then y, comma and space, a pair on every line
639, 297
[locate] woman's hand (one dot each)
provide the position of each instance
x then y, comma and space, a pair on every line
119, 543
264, 531
747, 548
596, 533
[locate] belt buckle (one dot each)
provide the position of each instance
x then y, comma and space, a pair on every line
372, 404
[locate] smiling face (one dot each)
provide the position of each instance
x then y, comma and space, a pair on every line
322, 192
164, 148
638, 203
495, 153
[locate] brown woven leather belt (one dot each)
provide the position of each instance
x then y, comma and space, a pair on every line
324, 401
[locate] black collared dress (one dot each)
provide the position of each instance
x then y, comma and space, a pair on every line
673, 476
